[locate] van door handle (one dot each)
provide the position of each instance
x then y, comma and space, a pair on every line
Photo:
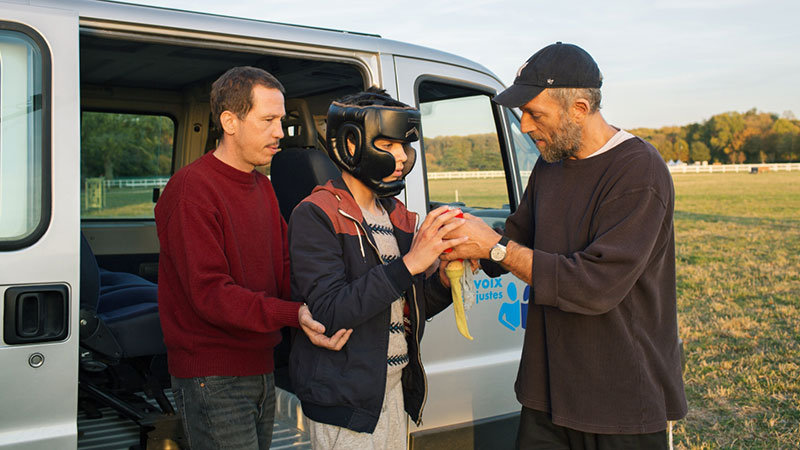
36, 314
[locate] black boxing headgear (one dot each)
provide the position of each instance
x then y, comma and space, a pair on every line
363, 125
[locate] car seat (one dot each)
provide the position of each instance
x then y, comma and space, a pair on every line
122, 349
299, 167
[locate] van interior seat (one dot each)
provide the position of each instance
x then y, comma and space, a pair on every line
125, 304
128, 304
121, 344
299, 167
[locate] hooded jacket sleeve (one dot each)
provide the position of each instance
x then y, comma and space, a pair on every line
319, 274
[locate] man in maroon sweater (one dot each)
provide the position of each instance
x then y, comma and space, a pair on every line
224, 278
593, 237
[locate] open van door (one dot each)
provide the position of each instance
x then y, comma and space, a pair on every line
473, 157
39, 227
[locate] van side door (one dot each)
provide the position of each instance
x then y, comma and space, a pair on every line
468, 158
39, 226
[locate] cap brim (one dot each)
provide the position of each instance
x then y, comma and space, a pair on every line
517, 95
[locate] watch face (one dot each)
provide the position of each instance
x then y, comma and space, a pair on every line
497, 254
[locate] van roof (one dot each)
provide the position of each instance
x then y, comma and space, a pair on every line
114, 11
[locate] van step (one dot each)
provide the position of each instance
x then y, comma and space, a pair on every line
112, 432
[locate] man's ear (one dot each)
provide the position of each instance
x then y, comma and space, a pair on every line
229, 122
580, 109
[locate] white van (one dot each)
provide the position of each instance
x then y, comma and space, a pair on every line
101, 102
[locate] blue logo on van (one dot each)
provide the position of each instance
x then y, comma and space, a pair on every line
514, 314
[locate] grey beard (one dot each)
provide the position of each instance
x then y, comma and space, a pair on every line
565, 144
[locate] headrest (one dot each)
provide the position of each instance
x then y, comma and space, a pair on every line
296, 172
298, 126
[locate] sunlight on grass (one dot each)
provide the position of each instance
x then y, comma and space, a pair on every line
738, 283
738, 261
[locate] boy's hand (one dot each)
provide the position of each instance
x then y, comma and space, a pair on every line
314, 330
429, 242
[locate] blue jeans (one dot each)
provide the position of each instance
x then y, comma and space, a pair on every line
226, 413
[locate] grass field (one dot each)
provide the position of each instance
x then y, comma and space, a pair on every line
738, 283
738, 261
122, 203
482, 193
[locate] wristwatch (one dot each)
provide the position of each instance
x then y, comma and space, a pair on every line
498, 252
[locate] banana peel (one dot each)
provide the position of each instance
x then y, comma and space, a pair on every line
454, 272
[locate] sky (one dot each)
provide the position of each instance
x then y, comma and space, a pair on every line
664, 62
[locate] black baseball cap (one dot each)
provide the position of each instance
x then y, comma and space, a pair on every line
558, 65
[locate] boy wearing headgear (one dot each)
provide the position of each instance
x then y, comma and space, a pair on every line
358, 264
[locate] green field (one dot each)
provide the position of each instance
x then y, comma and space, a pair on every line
482, 193
738, 283
738, 256
121, 203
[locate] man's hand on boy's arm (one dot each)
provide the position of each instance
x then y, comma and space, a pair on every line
429, 242
315, 331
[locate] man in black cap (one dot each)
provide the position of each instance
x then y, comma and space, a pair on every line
593, 236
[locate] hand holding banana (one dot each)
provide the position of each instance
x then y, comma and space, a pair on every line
454, 272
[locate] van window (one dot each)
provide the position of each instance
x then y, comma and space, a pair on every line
124, 157
24, 138
524, 149
463, 157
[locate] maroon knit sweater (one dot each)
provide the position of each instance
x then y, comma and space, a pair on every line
223, 276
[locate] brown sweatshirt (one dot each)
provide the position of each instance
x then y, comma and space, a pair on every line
601, 350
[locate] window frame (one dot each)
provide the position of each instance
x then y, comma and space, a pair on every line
499, 121
507, 114
137, 112
46, 137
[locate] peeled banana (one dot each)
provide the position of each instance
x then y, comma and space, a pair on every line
454, 271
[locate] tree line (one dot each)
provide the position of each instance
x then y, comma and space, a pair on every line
131, 145
730, 138
461, 153
125, 145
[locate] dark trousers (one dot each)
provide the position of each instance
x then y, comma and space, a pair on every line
537, 432
227, 413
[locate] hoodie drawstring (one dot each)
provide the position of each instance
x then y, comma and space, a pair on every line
360, 243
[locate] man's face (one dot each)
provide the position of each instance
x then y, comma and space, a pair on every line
258, 134
399, 153
556, 135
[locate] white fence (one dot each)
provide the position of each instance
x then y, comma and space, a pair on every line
734, 168
694, 168
465, 175
133, 183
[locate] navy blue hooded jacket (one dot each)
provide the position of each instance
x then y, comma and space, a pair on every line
337, 271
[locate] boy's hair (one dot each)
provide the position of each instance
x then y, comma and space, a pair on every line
373, 96
233, 91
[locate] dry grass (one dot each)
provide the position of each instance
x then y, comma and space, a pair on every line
738, 250
738, 280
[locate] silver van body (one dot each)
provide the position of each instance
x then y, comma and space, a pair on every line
97, 56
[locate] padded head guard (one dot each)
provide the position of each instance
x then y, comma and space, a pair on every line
363, 125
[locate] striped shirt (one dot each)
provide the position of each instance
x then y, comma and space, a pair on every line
383, 232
